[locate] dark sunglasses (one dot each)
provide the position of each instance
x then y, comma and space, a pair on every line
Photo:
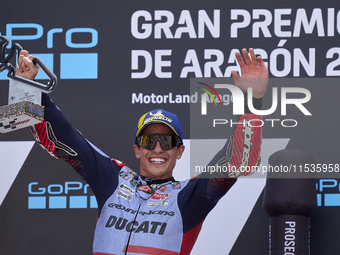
167, 141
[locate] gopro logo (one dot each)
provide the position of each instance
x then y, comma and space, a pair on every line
72, 195
70, 63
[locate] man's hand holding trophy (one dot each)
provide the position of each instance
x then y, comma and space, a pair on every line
24, 100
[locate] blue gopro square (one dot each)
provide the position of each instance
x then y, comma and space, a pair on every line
93, 202
332, 199
78, 201
37, 202
72, 66
57, 202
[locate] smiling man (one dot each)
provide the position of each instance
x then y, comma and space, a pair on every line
148, 211
159, 145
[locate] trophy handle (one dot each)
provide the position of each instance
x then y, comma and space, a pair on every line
5, 64
15, 50
3, 42
52, 78
3, 60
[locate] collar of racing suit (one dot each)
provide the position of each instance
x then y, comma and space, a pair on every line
151, 181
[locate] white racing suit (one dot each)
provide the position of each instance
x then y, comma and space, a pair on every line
138, 215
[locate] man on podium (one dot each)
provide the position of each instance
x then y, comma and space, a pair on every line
147, 211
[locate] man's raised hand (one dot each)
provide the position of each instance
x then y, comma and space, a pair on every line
254, 73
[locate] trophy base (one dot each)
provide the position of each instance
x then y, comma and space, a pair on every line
20, 115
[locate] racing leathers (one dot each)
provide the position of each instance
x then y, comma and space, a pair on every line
139, 215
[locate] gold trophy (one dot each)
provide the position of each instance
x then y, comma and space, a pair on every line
24, 100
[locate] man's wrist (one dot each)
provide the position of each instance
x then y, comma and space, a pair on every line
257, 103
